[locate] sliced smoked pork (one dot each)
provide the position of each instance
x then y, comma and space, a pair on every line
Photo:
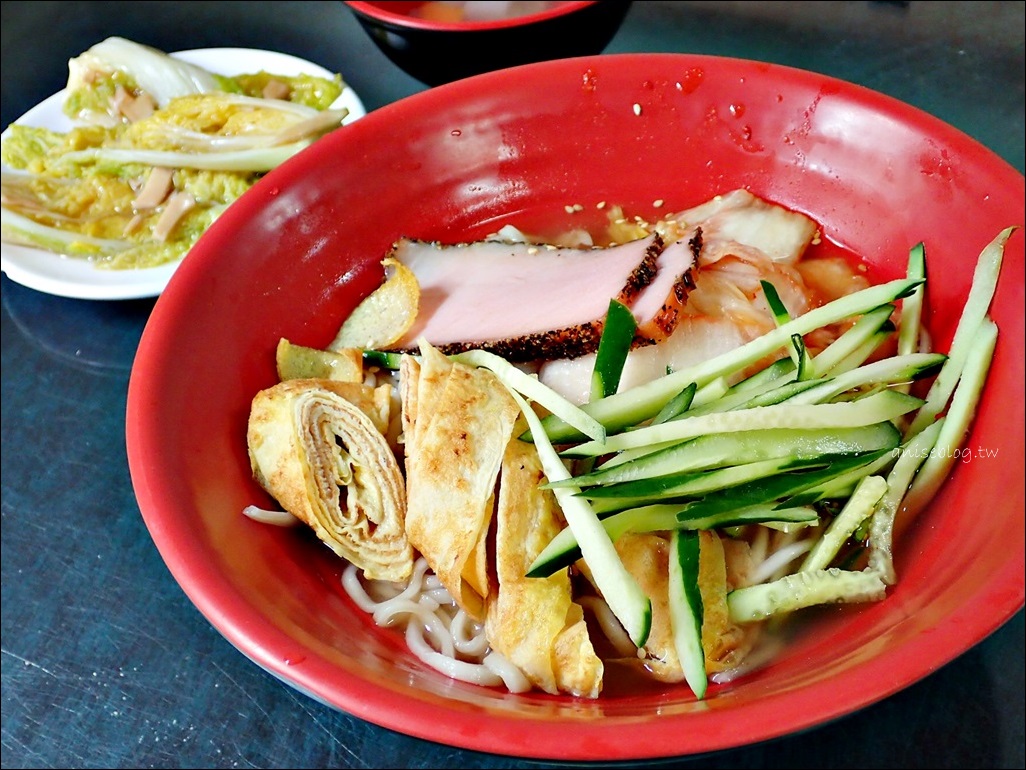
520, 300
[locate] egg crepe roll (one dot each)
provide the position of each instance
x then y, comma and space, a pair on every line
317, 447
533, 622
460, 419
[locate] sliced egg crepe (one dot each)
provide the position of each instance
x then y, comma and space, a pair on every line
533, 621
459, 420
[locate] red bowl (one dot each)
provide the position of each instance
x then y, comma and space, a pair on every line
297, 253
436, 52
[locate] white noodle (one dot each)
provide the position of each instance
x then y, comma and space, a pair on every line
351, 582
758, 544
467, 635
610, 626
512, 676
778, 560
438, 632
440, 595
476, 673
763, 652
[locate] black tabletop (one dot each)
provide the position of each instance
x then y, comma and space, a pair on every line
106, 663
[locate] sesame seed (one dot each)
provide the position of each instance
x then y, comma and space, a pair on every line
658, 203
568, 209
637, 108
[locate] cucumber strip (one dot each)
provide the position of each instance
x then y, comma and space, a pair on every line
948, 446
684, 598
976, 307
767, 515
780, 372
711, 391
801, 356
676, 405
531, 387
886, 405
864, 329
785, 392
382, 358
719, 449
910, 323
887, 371
764, 378
803, 589
857, 509
784, 490
780, 315
787, 489
861, 354
737, 396
614, 345
693, 484
881, 531
618, 587
843, 484
642, 402
776, 305
563, 550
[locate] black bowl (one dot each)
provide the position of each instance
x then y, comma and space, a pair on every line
437, 52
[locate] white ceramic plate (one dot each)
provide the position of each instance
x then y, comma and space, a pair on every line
67, 277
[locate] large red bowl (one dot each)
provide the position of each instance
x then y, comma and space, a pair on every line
295, 255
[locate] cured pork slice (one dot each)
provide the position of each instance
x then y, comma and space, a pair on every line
519, 300
658, 306
739, 240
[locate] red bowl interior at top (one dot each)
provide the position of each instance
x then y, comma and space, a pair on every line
297, 253
408, 14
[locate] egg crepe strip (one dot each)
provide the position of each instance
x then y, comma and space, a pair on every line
533, 622
318, 447
458, 421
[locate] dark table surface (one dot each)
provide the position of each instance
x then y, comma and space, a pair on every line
106, 663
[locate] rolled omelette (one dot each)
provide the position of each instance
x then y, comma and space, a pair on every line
318, 447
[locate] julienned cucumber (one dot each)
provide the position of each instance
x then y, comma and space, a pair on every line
563, 550
859, 507
644, 401
912, 305
614, 346
716, 450
975, 310
684, 597
698, 483
803, 589
617, 586
886, 405
690, 452
863, 331
516, 380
